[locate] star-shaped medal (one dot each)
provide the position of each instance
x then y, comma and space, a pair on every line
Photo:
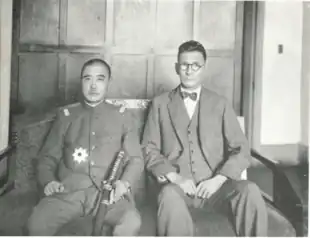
80, 155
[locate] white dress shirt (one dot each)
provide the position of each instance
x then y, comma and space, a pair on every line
190, 104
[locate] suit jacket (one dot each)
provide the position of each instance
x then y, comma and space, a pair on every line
224, 146
83, 142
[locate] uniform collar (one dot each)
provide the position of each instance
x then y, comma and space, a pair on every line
94, 108
93, 105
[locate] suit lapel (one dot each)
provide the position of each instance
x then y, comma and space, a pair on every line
205, 109
178, 114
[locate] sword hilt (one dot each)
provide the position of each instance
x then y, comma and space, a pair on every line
115, 167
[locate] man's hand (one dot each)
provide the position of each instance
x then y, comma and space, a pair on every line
187, 185
53, 187
120, 189
208, 187
162, 179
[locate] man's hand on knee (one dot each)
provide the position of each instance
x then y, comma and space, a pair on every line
53, 187
187, 185
207, 188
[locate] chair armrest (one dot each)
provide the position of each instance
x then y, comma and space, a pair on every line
13, 141
7, 151
6, 185
270, 163
285, 197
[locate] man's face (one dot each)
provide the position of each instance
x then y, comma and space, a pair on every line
190, 67
95, 80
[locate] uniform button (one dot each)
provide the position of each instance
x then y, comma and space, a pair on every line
189, 132
192, 151
92, 163
93, 147
93, 133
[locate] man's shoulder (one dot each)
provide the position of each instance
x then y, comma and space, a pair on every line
213, 94
161, 98
116, 107
214, 97
70, 110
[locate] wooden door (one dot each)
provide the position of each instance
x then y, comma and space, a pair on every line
139, 38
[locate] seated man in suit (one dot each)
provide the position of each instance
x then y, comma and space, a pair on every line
84, 140
196, 150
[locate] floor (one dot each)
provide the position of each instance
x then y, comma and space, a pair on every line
298, 176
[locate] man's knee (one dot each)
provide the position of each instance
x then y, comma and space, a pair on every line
170, 193
249, 189
129, 225
35, 225
50, 214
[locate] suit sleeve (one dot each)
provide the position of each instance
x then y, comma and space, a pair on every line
51, 152
237, 148
135, 165
156, 163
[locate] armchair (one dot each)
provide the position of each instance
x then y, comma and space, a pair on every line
285, 213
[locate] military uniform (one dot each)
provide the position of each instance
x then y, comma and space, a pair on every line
79, 149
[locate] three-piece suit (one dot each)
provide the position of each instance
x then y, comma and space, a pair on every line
211, 142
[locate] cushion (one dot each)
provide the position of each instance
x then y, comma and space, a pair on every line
206, 224
16, 207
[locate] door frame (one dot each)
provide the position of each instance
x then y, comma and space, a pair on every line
251, 71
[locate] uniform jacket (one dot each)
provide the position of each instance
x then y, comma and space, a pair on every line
83, 142
222, 141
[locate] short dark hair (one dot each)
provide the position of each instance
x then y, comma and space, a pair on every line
190, 46
96, 61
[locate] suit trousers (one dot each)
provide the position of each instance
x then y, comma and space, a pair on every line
240, 200
56, 210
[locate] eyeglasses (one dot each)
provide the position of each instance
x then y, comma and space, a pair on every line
194, 67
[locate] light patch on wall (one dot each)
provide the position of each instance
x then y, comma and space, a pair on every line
281, 73
305, 86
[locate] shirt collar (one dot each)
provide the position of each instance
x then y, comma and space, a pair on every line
196, 90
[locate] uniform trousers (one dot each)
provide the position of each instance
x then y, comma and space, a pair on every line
240, 200
56, 210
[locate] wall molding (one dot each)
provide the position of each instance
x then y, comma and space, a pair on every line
286, 154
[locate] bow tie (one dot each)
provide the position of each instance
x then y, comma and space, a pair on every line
192, 96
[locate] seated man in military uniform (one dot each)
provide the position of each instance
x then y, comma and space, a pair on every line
84, 140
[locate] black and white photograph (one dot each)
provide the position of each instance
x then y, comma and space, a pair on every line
154, 118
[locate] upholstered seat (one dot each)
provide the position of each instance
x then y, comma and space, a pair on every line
207, 224
16, 205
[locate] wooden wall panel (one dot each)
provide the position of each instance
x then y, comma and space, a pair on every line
38, 80
86, 22
165, 77
219, 76
39, 21
174, 23
129, 75
133, 25
139, 37
217, 24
